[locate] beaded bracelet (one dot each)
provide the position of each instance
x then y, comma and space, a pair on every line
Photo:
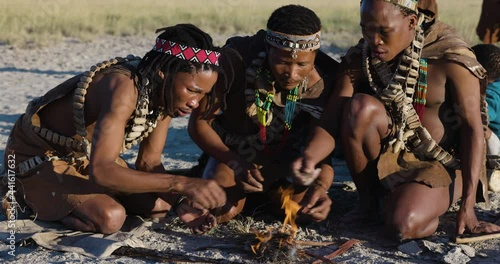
177, 203
320, 184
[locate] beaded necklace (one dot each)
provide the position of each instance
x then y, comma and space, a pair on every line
397, 96
263, 107
421, 95
141, 123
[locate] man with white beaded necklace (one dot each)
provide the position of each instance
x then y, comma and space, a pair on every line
409, 110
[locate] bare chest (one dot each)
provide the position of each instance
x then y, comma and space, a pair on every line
436, 86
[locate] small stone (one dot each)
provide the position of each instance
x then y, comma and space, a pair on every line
433, 247
494, 180
468, 250
410, 248
455, 256
481, 254
350, 186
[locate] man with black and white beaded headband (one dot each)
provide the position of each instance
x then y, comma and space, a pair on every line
259, 125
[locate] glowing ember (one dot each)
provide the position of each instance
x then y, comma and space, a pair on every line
263, 237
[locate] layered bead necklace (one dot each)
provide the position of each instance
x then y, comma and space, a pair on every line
264, 106
143, 119
397, 95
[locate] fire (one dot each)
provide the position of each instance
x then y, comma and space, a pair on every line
263, 238
291, 208
285, 236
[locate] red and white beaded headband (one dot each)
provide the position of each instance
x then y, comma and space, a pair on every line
187, 53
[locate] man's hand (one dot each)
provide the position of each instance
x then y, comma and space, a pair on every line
316, 203
467, 223
248, 175
199, 221
205, 194
304, 172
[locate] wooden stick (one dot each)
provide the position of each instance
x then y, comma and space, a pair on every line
462, 240
341, 250
312, 243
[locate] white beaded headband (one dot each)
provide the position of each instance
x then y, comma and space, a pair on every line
294, 43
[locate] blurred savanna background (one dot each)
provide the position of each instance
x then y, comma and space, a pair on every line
40, 23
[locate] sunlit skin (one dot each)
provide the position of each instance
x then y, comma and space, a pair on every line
287, 71
110, 101
190, 88
452, 116
234, 172
388, 32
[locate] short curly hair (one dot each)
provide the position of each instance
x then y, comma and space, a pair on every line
294, 19
489, 57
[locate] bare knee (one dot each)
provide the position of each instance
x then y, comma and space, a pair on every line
109, 220
362, 112
400, 227
409, 226
362, 108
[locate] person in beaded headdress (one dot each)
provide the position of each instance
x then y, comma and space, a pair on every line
67, 145
257, 127
409, 110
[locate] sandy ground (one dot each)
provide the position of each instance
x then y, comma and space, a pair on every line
28, 73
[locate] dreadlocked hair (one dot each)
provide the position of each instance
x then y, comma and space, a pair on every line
294, 20
153, 62
489, 57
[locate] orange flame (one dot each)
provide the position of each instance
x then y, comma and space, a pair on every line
263, 237
291, 208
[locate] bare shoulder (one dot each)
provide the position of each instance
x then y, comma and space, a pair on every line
456, 69
441, 72
115, 86
451, 69
110, 93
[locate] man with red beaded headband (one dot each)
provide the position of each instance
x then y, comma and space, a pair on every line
278, 86
409, 110
67, 144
